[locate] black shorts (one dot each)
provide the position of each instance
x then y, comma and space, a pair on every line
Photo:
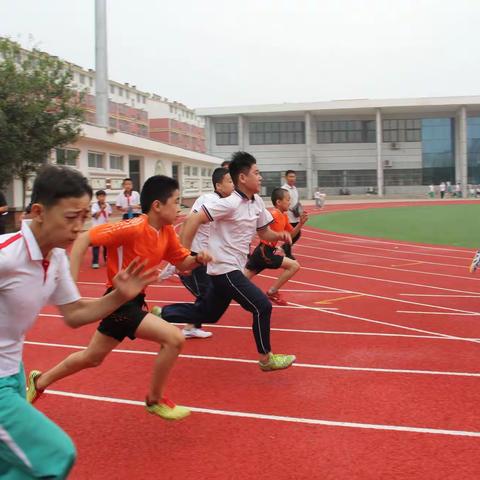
124, 321
263, 257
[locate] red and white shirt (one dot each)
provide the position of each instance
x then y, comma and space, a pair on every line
103, 213
127, 201
28, 282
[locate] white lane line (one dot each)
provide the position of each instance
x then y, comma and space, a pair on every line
412, 329
390, 250
280, 418
370, 240
397, 259
182, 287
439, 313
396, 269
392, 299
437, 295
298, 365
299, 330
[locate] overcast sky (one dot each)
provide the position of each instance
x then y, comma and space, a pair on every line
207, 53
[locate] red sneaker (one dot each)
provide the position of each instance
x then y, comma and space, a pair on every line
276, 298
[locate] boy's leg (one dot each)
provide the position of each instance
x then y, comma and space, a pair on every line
171, 342
31, 445
95, 252
287, 248
99, 347
252, 299
290, 268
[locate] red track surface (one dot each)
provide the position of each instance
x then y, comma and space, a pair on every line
387, 384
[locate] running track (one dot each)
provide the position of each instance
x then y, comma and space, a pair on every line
386, 385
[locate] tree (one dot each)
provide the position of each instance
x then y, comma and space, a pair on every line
39, 110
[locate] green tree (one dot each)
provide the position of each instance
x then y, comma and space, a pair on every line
39, 110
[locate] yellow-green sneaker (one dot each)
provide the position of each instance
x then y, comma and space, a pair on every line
168, 410
277, 361
33, 393
156, 310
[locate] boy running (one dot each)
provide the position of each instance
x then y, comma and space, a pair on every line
235, 220
197, 282
34, 272
265, 256
152, 238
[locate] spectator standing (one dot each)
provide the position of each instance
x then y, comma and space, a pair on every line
295, 210
128, 202
443, 187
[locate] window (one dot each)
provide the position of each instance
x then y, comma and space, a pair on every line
112, 89
186, 170
138, 97
194, 171
82, 79
347, 178
116, 162
276, 133
120, 91
95, 160
346, 131
226, 133
402, 130
90, 81
67, 156
204, 172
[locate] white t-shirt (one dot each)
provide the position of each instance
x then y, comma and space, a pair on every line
293, 201
234, 222
200, 241
27, 284
104, 214
125, 201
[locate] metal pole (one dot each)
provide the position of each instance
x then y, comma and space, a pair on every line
378, 123
101, 63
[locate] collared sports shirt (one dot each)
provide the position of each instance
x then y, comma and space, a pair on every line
137, 238
200, 241
125, 201
235, 220
28, 282
280, 224
293, 201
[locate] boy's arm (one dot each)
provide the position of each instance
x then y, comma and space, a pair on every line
80, 246
127, 284
303, 220
190, 227
269, 235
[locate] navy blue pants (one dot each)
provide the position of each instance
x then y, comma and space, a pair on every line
222, 290
197, 283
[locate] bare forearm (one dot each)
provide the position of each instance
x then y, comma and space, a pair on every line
189, 229
86, 311
79, 248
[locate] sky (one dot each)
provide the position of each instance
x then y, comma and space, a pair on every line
208, 53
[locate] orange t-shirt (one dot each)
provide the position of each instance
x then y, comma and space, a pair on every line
280, 224
137, 238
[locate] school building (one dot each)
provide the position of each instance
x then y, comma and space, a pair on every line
397, 146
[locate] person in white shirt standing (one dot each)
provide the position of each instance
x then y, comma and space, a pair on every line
34, 272
294, 212
128, 201
234, 221
101, 211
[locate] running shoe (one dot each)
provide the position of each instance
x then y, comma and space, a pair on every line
196, 333
475, 262
167, 410
156, 310
276, 298
33, 394
277, 361
95, 265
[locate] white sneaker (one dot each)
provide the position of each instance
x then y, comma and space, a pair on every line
95, 265
196, 333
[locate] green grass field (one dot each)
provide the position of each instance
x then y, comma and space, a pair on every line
457, 225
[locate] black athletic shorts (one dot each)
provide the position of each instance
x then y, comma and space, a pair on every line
124, 321
263, 257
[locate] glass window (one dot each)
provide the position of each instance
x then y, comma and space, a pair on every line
473, 150
276, 133
120, 91
186, 170
345, 131
95, 160
408, 130
116, 162
226, 133
194, 171
67, 156
112, 88
82, 79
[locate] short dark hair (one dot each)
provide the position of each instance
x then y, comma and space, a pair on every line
278, 194
100, 192
225, 164
55, 182
128, 179
241, 163
218, 176
288, 172
158, 187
